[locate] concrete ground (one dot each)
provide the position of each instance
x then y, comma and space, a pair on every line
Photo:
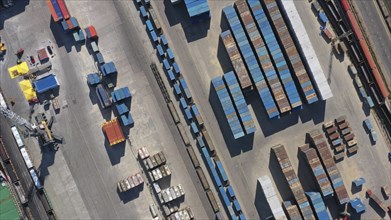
81, 177
202, 57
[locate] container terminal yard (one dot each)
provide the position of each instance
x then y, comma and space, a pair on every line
195, 109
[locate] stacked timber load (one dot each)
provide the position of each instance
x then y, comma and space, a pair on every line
239, 102
228, 107
293, 181
317, 170
251, 61
277, 56
320, 143
291, 52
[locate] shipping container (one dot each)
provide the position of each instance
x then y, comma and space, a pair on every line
183, 134
166, 64
186, 90
103, 96
173, 112
293, 181
57, 9
292, 211
99, 58
202, 177
270, 40
149, 25
74, 22
143, 12
9, 166
53, 12
170, 56
189, 116
318, 205
18, 138
127, 119
63, 9
177, 89
113, 132
318, 172
163, 41
108, 69
121, 94
3, 152
154, 37
224, 196
46, 83
230, 193
35, 178
222, 172
194, 128
272, 198
317, 138
198, 10
160, 50
299, 33
208, 141
237, 207
122, 108
26, 158
228, 108
239, 102
197, 115
155, 20
91, 32
93, 79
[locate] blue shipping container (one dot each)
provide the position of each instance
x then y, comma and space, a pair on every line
222, 172
121, 94
230, 192
122, 108
318, 205
170, 55
223, 194
46, 83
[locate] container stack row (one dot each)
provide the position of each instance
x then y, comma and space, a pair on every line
228, 107
301, 36
320, 143
291, 52
276, 54
291, 210
293, 181
256, 74
239, 102
197, 9
236, 59
318, 172
272, 198
318, 205
268, 68
251, 62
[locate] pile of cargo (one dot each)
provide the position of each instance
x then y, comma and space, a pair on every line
318, 172
318, 140
291, 52
276, 55
347, 134
155, 160
293, 181
318, 76
335, 140
159, 173
318, 205
183, 214
198, 9
120, 97
130, 182
251, 62
171, 194
271, 198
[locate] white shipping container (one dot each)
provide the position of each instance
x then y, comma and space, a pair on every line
35, 178
17, 137
271, 197
26, 158
2, 101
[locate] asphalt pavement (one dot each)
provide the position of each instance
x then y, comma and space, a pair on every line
377, 33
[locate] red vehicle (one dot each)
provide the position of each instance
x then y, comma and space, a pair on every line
32, 59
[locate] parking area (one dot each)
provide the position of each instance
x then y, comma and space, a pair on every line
202, 57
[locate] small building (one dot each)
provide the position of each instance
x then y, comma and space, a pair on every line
43, 55
46, 83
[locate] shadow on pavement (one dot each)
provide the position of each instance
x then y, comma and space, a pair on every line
178, 15
261, 203
131, 194
235, 146
63, 39
115, 152
18, 7
48, 156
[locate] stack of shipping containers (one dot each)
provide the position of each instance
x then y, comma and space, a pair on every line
236, 60
228, 107
293, 181
292, 211
250, 60
318, 205
320, 143
276, 54
291, 52
318, 76
239, 102
270, 72
272, 198
197, 9
318, 172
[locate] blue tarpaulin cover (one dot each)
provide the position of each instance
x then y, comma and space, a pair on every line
45, 84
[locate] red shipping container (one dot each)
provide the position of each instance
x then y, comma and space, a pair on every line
63, 8
52, 11
93, 33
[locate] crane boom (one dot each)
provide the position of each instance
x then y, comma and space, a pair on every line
17, 118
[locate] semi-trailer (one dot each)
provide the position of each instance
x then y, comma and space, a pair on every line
318, 172
239, 102
236, 60
228, 107
277, 57
293, 181
317, 138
